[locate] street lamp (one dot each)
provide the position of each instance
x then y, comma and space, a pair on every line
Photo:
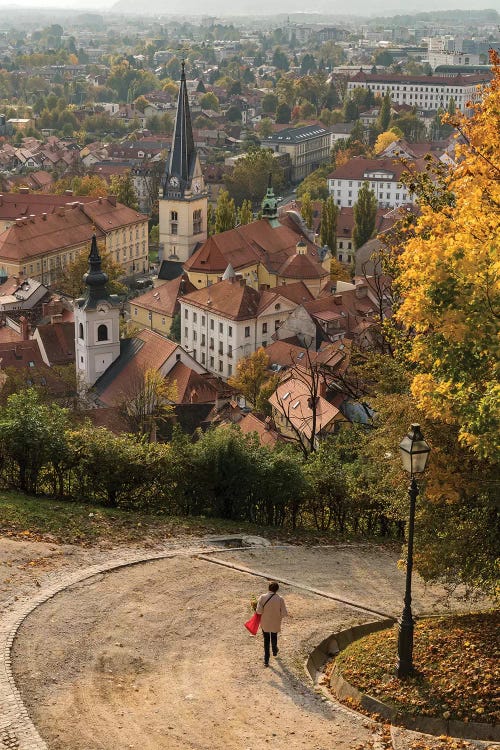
414, 455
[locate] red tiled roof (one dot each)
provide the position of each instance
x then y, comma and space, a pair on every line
250, 244
20, 354
355, 168
163, 299
229, 298
292, 397
151, 356
301, 266
266, 433
70, 226
58, 341
191, 387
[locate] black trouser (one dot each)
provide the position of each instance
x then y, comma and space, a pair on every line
270, 638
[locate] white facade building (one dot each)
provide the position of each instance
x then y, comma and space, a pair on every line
424, 92
382, 175
229, 320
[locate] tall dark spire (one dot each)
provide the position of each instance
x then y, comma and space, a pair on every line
95, 278
183, 154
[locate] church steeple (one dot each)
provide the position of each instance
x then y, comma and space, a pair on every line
95, 279
182, 162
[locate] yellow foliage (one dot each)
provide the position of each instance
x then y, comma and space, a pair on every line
449, 276
384, 140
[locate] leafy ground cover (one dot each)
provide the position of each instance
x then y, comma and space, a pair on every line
457, 658
44, 519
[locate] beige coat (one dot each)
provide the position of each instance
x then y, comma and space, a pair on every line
272, 613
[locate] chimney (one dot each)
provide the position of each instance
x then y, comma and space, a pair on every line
361, 291
44, 216
243, 282
32, 218
24, 328
1, 200
112, 200
337, 298
56, 319
24, 190
100, 199
60, 210
68, 192
19, 222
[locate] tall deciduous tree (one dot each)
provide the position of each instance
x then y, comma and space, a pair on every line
328, 232
250, 176
449, 277
245, 213
251, 374
384, 117
123, 187
225, 213
306, 209
148, 401
365, 214
71, 282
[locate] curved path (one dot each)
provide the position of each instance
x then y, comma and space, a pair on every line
154, 656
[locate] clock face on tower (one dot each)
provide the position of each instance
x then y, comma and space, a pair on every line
102, 307
174, 181
196, 185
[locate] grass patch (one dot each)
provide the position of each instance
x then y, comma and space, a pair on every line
45, 519
457, 660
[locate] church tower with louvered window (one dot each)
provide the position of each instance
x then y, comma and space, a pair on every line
97, 323
183, 204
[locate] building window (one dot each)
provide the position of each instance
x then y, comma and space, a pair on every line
202, 320
195, 336
221, 366
195, 317
221, 328
186, 314
197, 226
174, 216
102, 332
211, 343
173, 227
212, 362
230, 351
186, 332
264, 327
80, 331
203, 339
221, 348
264, 344
229, 370
212, 324
340, 257
277, 324
230, 331
247, 332
203, 359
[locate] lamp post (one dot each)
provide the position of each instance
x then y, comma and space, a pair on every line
414, 455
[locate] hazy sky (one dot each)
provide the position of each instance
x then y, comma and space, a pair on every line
260, 7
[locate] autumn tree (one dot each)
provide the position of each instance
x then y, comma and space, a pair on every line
123, 187
450, 286
384, 117
245, 213
250, 176
328, 232
251, 374
384, 140
365, 214
147, 402
225, 213
306, 209
70, 280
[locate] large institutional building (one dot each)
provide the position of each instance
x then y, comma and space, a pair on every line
424, 92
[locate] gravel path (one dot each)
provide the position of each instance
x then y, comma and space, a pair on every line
154, 656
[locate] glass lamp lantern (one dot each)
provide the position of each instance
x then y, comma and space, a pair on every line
414, 451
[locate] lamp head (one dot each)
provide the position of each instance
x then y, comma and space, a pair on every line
414, 451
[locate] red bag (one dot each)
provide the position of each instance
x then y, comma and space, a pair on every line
253, 624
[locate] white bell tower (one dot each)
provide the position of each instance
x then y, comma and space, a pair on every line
97, 324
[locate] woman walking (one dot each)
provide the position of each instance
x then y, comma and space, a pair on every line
272, 607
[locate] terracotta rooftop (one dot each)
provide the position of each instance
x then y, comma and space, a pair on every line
358, 166
231, 298
163, 299
148, 350
58, 342
70, 226
250, 244
292, 399
20, 354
